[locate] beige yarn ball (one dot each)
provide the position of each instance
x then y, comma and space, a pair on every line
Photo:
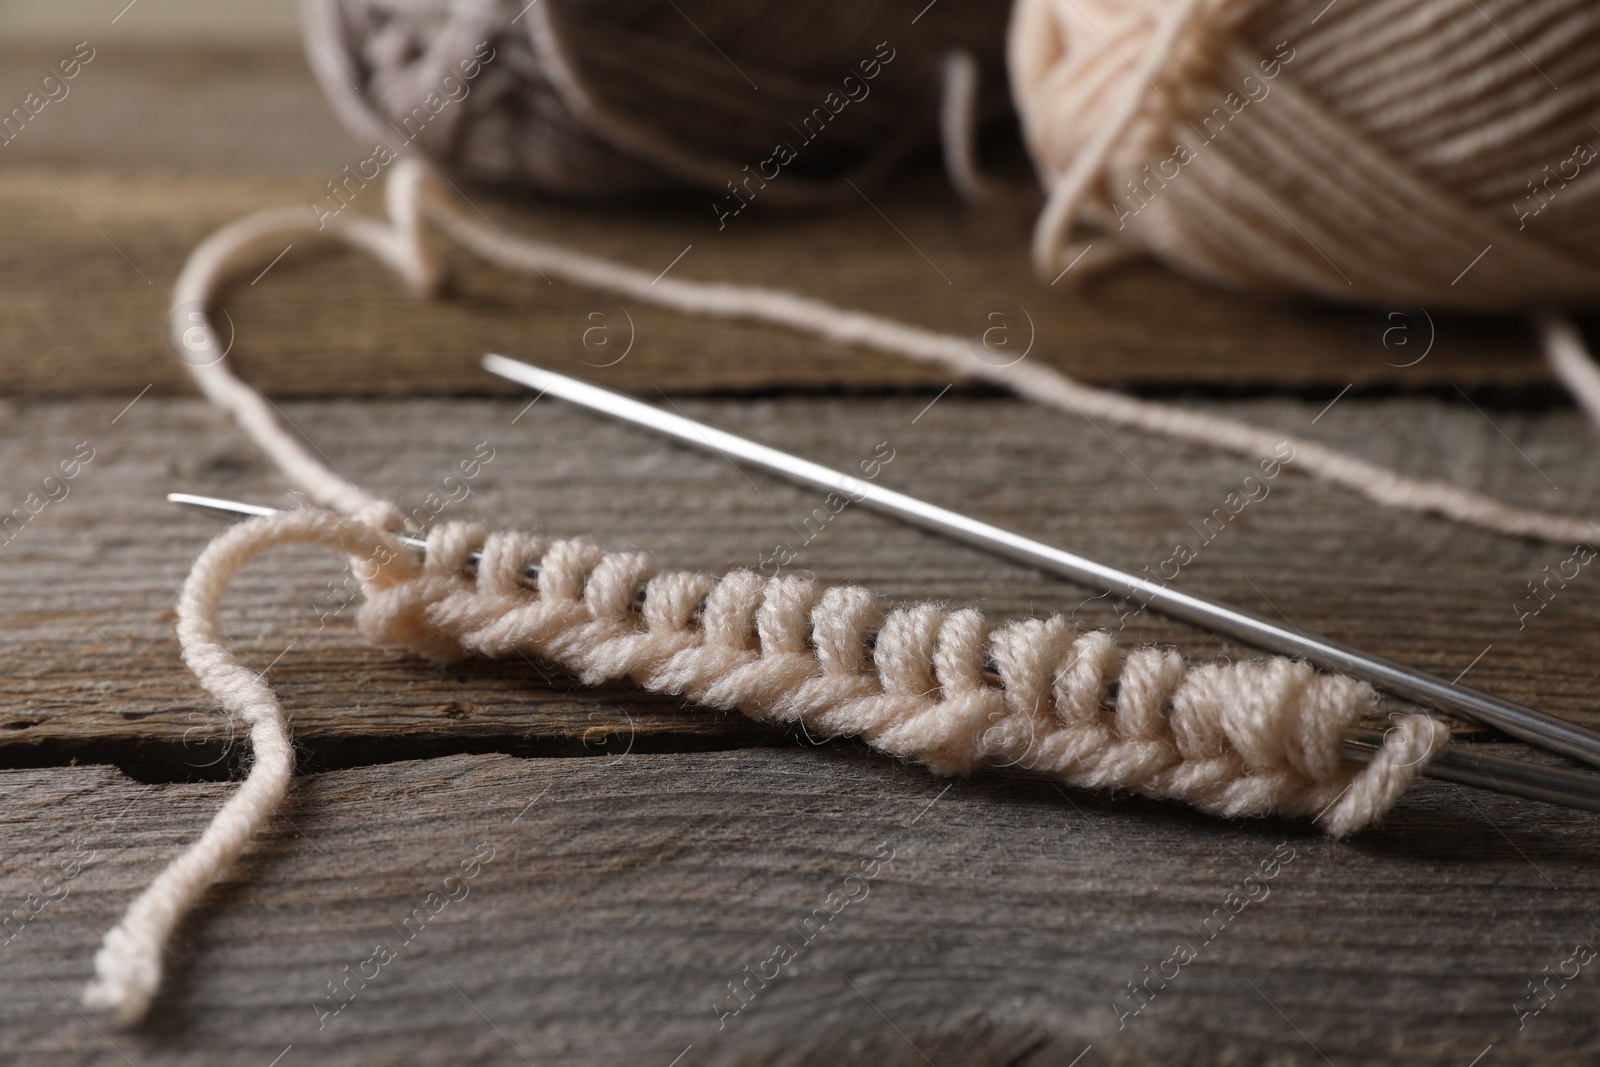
1438, 152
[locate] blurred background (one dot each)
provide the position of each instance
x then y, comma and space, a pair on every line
206, 111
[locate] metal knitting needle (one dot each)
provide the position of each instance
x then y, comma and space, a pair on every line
238, 507
1454, 763
1534, 727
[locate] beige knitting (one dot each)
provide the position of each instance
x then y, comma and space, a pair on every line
1242, 739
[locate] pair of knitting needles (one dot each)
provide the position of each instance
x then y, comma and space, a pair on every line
1454, 762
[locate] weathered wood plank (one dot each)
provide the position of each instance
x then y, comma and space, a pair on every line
88, 628
624, 896
244, 108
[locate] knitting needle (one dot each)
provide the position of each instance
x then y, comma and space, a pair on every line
1454, 763
1527, 724
1458, 763
237, 507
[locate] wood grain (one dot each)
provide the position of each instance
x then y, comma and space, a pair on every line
92, 579
624, 895
211, 108
95, 255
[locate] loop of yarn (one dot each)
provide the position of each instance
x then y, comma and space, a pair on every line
604, 99
1367, 151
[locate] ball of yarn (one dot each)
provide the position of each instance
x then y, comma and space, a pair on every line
607, 99
1433, 151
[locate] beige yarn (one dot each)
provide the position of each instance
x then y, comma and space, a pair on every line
128, 965
1238, 739
1400, 141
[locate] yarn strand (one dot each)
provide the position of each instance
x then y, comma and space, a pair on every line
1571, 361
958, 133
1041, 384
404, 247
128, 965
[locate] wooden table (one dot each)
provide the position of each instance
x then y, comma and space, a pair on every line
633, 856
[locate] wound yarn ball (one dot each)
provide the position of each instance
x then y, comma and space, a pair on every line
615, 99
1439, 152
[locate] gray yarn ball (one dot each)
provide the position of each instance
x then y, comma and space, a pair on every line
610, 99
